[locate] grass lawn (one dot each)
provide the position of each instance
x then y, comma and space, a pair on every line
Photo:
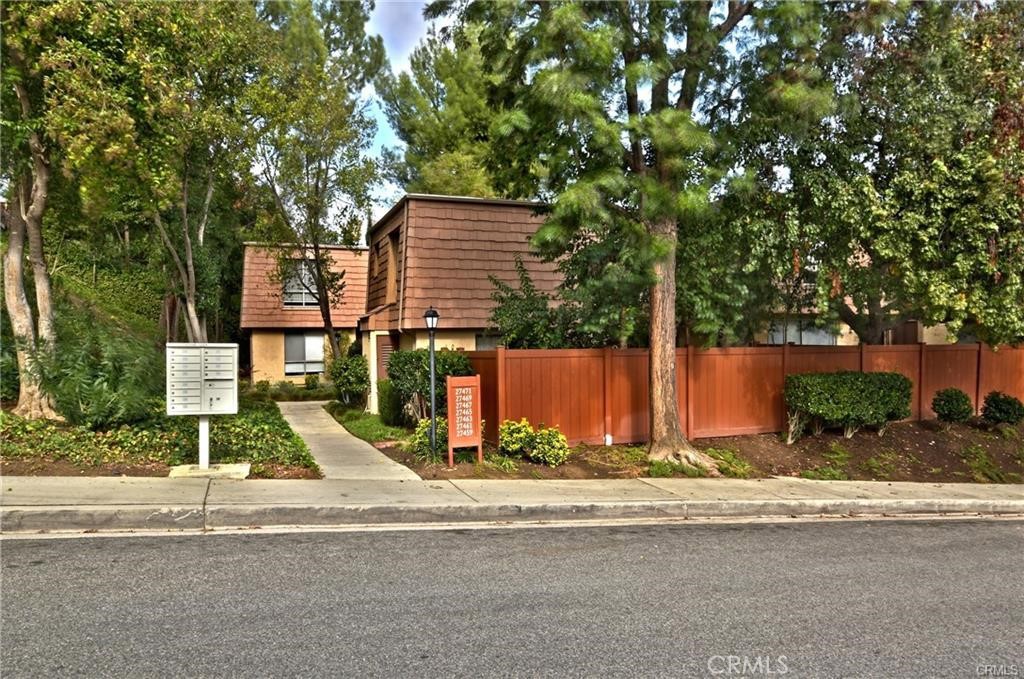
363, 425
258, 434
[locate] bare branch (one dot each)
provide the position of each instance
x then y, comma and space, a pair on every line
737, 10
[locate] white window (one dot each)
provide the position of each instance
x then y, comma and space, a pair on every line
300, 288
800, 332
486, 341
303, 352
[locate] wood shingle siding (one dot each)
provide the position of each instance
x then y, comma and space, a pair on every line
263, 304
454, 246
380, 261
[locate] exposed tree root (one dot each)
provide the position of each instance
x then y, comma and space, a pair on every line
679, 451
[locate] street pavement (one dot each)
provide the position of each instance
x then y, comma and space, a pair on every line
121, 503
874, 598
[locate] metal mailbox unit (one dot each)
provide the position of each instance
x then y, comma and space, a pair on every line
202, 379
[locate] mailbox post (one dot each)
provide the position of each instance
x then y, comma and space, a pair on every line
202, 380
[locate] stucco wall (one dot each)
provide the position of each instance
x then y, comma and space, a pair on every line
267, 347
450, 339
937, 334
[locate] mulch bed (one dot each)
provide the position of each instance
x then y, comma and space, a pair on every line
908, 451
585, 462
920, 451
42, 466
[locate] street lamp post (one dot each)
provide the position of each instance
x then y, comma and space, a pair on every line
430, 316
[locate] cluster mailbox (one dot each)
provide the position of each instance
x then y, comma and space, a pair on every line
202, 379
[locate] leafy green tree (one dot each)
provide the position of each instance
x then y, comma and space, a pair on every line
632, 108
27, 169
153, 114
909, 198
443, 113
312, 132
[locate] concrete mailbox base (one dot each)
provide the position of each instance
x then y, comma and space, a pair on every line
214, 471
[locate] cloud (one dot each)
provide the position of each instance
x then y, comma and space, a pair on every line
401, 24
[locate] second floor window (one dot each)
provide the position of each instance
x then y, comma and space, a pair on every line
300, 288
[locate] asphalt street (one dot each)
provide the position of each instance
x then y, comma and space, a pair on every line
840, 598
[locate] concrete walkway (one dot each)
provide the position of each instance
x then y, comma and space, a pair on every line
340, 454
104, 503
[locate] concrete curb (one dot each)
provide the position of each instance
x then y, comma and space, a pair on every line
116, 517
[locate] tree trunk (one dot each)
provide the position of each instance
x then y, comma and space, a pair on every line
667, 439
40, 273
332, 337
869, 327
32, 402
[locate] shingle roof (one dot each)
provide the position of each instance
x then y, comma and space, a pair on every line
454, 245
262, 304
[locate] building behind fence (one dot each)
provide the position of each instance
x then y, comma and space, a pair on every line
601, 395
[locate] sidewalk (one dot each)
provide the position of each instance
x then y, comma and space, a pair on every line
339, 454
74, 503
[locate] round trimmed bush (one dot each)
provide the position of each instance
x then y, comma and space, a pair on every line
1000, 408
952, 405
515, 439
550, 447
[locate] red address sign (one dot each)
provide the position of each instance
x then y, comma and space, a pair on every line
464, 416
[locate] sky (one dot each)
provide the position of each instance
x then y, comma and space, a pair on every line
401, 25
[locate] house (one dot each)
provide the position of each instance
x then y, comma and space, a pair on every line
440, 251
282, 319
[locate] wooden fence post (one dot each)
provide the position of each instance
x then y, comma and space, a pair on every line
785, 367
920, 380
499, 358
689, 390
607, 393
977, 382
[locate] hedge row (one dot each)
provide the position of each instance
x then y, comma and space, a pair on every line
847, 400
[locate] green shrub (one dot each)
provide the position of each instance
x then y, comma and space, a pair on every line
409, 372
392, 410
312, 382
285, 390
952, 405
849, 400
262, 387
101, 378
257, 434
516, 439
351, 378
1000, 408
419, 443
550, 447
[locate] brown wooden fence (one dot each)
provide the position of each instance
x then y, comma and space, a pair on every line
594, 395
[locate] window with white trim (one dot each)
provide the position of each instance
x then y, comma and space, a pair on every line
303, 352
300, 287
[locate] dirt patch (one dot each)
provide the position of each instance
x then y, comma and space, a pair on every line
585, 462
908, 451
42, 466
